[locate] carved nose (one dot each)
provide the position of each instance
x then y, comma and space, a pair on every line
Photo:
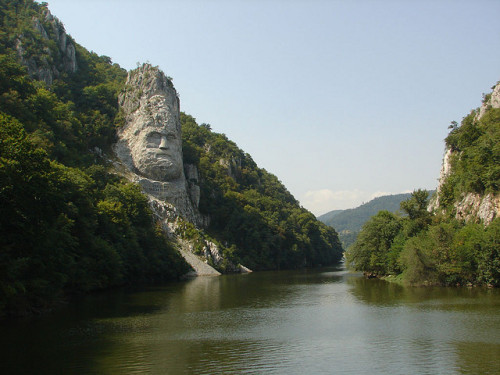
163, 143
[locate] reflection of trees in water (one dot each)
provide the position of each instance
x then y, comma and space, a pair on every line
375, 291
380, 292
233, 322
435, 329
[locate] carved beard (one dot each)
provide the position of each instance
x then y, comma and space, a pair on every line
160, 165
157, 153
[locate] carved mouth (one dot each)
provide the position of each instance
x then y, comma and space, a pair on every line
162, 154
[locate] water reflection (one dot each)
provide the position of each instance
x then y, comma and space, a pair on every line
457, 329
380, 293
292, 322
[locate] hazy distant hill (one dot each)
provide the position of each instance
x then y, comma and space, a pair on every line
349, 222
326, 218
454, 240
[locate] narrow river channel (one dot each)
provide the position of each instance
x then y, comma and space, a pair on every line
324, 321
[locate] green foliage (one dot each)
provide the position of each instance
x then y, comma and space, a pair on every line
61, 231
67, 225
415, 207
476, 160
259, 223
488, 255
373, 252
427, 250
349, 222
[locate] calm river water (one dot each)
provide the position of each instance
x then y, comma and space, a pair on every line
302, 322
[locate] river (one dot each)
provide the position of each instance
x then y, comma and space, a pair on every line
324, 321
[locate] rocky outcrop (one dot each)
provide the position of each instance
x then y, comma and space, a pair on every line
150, 143
149, 151
492, 101
167, 216
443, 175
472, 206
50, 63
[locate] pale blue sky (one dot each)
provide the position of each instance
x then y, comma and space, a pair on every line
341, 100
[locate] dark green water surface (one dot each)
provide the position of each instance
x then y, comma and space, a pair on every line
302, 322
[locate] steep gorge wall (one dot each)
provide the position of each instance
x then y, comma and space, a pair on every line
149, 150
58, 54
471, 206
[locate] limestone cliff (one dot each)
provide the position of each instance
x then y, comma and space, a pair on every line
57, 54
150, 143
149, 150
470, 206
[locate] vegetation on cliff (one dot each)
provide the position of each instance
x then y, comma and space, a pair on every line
436, 248
69, 224
257, 221
475, 164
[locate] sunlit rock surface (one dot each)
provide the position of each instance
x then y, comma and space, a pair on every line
48, 64
149, 149
471, 206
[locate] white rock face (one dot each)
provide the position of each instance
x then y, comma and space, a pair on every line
472, 206
445, 172
41, 68
149, 148
150, 143
166, 214
492, 102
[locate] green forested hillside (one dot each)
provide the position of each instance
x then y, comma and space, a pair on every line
436, 248
325, 218
66, 224
69, 224
348, 222
475, 165
254, 217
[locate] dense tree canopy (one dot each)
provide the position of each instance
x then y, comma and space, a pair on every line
252, 214
69, 224
437, 248
425, 249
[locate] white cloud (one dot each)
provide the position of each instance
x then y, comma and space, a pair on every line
322, 201
325, 200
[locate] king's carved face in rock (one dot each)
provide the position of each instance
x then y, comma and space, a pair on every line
156, 147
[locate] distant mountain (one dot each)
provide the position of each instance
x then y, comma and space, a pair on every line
454, 238
329, 216
349, 222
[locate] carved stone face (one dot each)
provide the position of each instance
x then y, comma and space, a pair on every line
161, 156
154, 141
